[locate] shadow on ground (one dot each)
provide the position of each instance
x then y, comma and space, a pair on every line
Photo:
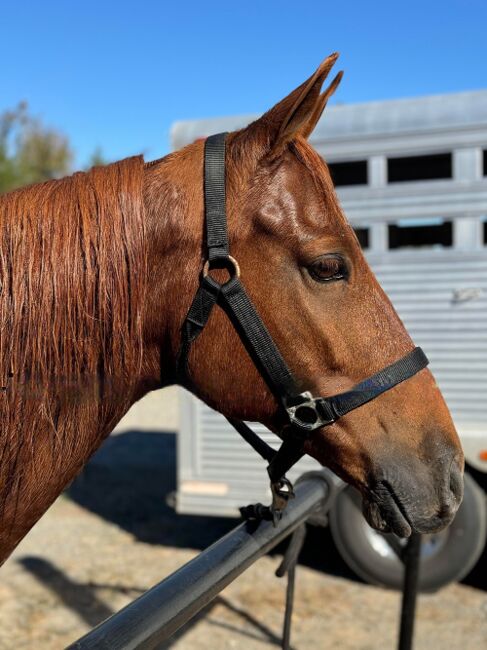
80, 597
83, 599
130, 480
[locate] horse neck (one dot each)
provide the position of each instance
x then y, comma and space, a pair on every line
173, 195
38, 460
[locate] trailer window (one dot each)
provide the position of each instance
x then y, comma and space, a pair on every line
484, 230
419, 168
363, 237
432, 233
485, 162
349, 173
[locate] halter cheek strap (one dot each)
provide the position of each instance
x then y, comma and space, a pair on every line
304, 412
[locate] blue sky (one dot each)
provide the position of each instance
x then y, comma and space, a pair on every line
117, 74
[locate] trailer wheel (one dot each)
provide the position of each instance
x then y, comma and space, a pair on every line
446, 556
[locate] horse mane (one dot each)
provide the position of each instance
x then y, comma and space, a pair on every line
73, 275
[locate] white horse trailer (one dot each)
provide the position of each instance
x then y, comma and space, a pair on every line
411, 175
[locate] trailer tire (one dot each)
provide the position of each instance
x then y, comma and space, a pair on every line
446, 557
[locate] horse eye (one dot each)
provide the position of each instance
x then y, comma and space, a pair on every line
328, 268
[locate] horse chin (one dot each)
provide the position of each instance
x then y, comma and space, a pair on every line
386, 517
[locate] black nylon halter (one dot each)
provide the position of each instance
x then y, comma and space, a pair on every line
304, 412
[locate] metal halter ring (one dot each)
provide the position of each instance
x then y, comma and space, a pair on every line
229, 263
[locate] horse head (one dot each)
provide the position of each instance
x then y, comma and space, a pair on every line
305, 272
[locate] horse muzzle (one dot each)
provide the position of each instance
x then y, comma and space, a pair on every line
420, 500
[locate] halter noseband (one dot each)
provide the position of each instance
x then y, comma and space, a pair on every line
304, 412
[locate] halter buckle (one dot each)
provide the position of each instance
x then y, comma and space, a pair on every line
309, 413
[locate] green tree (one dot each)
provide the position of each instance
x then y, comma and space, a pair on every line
29, 151
97, 158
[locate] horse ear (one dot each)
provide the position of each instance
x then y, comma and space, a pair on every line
309, 127
292, 115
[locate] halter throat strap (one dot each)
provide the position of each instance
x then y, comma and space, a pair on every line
304, 412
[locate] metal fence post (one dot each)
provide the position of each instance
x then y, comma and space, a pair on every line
412, 556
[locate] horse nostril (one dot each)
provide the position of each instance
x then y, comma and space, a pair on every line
456, 482
453, 494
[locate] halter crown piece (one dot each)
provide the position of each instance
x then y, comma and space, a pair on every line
303, 411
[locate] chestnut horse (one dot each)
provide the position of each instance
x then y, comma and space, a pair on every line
97, 274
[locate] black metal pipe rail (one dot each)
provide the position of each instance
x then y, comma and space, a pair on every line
156, 615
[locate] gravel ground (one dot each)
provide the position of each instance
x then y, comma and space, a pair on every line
111, 536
